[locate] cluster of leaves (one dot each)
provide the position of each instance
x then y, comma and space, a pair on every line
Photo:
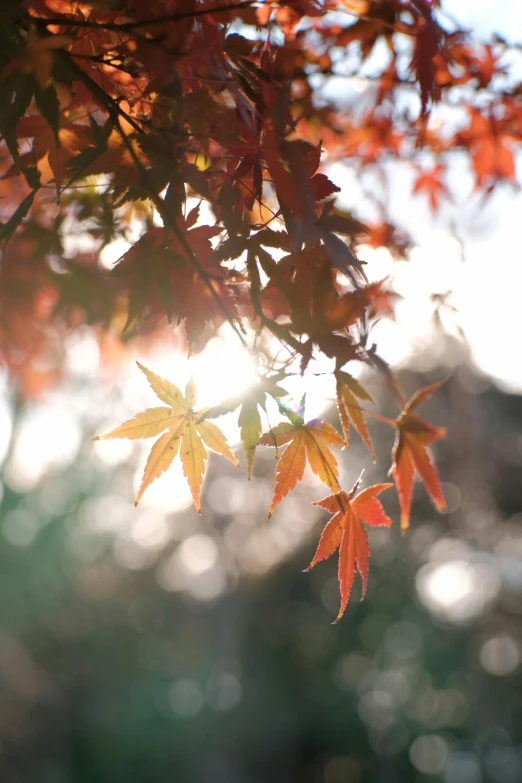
196, 123
188, 431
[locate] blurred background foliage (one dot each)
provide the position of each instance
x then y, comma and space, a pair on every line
147, 645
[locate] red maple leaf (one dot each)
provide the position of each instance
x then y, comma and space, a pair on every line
428, 43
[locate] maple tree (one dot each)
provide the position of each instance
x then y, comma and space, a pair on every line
193, 130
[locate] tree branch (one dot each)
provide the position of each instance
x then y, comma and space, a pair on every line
129, 26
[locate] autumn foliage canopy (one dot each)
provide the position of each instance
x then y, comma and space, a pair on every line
199, 132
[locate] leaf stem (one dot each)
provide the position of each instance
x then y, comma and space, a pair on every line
372, 414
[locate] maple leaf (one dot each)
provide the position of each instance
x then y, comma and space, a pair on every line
205, 296
428, 44
249, 421
159, 276
298, 189
183, 430
368, 30
348, 390
365, 302
37, 57
430, 182
249, 418
302, 441
147, 266
409, 454
345, 531
394, 239
490, 147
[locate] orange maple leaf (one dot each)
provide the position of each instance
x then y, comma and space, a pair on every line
302, 441
345, 530
183, 429
429, 181
57, 148
348, 391
409, 454
490, 146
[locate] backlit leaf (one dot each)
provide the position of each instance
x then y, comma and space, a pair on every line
303, 441
348, 390
409, 454
249, 421
345, 531
161, 456
186, 431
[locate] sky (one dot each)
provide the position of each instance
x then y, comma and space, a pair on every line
484, 273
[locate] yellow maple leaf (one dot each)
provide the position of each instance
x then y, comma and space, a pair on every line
182, 430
